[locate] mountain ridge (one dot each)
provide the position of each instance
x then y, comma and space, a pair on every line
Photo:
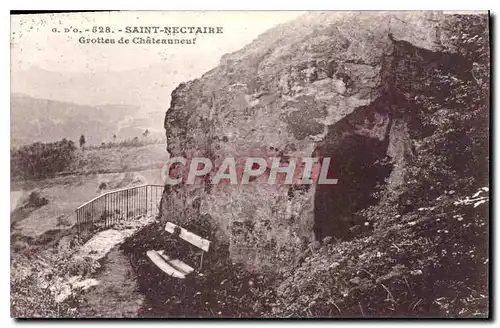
45, 120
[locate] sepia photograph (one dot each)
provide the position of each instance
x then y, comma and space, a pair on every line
250, 164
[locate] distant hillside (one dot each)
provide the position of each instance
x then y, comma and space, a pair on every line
35, 119
143, 88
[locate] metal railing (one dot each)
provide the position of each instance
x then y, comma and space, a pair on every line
116, 206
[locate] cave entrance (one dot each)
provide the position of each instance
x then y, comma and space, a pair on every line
361, 166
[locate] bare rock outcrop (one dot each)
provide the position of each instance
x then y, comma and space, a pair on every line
341, 85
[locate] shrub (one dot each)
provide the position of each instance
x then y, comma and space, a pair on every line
82, 267
63, 221
103, 186
129, 142
35, 200
41, 160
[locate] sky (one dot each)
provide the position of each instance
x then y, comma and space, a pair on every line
34, 44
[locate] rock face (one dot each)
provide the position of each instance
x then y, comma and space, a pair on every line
327, 84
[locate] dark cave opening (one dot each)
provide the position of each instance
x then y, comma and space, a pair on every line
361, 166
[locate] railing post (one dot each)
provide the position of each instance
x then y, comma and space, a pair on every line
119, 199
115, 207
126, 215
120, 204
105, 210
146, 200
78, 222
85, 220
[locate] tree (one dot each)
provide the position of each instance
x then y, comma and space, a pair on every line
82, 141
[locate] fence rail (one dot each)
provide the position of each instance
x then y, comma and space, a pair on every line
116, 206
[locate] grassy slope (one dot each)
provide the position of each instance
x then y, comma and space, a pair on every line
430, 262
119, 159
65, 194
133, 165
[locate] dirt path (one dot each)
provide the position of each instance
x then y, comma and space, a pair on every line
117, 294
15, 197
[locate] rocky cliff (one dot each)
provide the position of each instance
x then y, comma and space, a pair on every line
347, 85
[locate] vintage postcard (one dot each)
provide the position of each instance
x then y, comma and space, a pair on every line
258, 164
